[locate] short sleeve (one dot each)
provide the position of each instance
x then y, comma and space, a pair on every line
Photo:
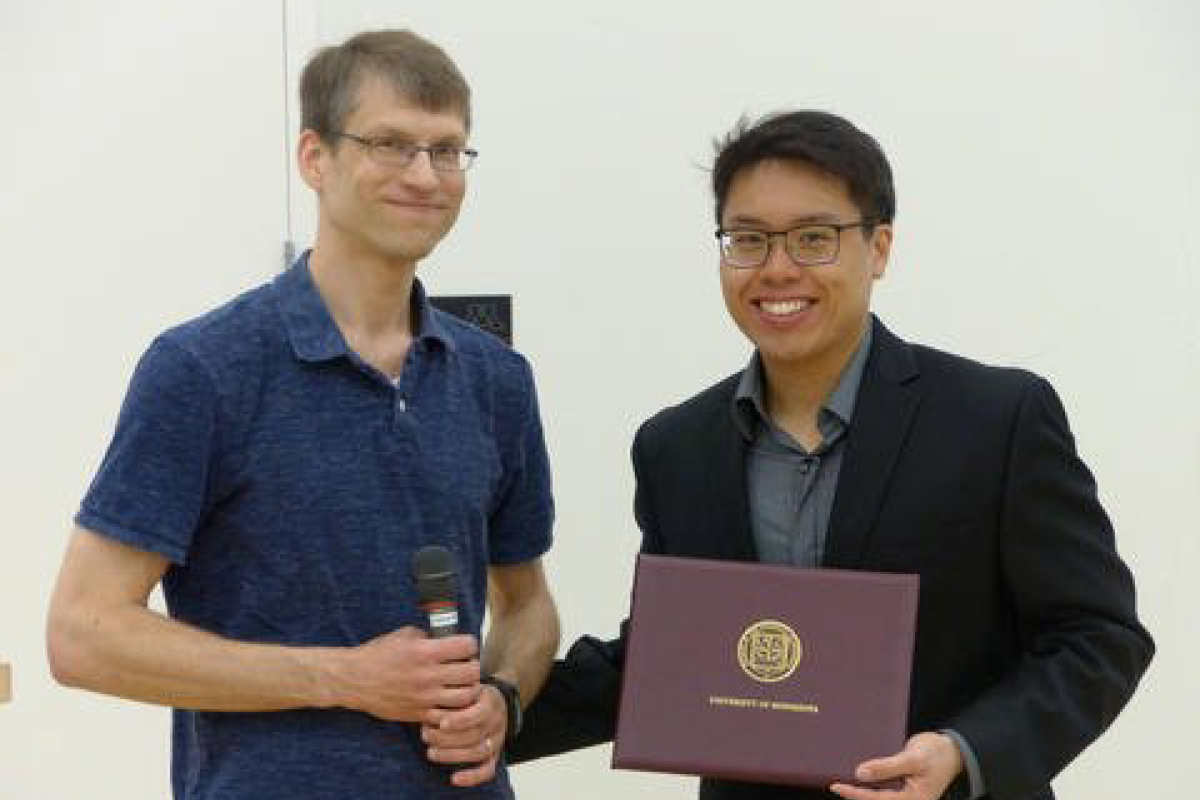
152, 488
521, 523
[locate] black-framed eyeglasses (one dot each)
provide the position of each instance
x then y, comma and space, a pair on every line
807, 245
399, 153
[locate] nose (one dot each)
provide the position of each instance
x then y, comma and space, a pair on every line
420, 172
779, 265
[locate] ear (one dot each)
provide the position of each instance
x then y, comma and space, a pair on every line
311, 158
880, 249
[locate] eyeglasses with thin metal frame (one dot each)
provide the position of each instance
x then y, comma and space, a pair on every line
807, 245
389, 152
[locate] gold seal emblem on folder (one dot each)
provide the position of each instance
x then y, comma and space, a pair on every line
768, 651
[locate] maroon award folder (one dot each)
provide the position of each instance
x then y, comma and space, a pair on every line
764, 673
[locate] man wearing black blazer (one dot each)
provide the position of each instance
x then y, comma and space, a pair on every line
840, 445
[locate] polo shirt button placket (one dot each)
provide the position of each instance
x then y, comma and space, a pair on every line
403, 424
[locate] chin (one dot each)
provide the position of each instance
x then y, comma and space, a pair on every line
789, 348
408, 249
791, 355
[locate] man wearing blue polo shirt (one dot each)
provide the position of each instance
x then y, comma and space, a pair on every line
277, 463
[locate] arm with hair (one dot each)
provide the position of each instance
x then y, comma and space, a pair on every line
102, 636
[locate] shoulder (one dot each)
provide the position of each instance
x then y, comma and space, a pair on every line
485, 356
228, 341
494, 380
950, 377
960, 373
961, 393
701, 415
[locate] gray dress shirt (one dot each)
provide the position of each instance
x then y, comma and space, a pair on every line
791, 489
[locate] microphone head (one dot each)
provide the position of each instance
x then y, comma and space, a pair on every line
436, 575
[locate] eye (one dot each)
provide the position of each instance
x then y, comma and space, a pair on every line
392, 146
746, 239
812, 237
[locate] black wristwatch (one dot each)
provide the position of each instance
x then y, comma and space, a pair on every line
512, 703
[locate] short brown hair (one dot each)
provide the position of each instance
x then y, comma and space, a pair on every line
417, 69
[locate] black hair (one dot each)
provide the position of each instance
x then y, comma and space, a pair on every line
825, 141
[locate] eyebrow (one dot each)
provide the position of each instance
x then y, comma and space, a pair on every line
458, 140
805, 219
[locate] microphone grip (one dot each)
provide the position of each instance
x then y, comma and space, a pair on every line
443, 618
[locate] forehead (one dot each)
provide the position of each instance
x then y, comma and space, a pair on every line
379, 108
786, 191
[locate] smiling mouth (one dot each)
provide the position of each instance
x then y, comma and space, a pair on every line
414, 205
781, 308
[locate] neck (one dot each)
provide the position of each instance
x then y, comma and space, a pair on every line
368, 296
795, 391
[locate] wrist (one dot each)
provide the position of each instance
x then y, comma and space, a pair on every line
968, 780
329, 677
511, 696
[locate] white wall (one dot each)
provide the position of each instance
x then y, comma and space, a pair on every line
143, 183
1048, 180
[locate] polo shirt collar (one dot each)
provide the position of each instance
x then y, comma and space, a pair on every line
314, 335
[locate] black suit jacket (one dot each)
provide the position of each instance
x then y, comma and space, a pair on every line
1027, 644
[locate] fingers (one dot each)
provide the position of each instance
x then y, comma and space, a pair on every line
474, 753
487, 710
405, 675
460, 647
471, 736
451, 666
446, 669
435, 694
924, 768
465, 727
473, 776
900, 765
444, 701
851, 792
476, 748
440, 735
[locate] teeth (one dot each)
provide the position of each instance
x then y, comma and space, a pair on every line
784, 306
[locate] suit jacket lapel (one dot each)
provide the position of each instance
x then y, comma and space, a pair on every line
883, 415
727, 498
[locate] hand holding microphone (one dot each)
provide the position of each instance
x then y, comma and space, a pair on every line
467, 739
408, 675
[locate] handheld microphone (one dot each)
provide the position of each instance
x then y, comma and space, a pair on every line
437, 593
437, 589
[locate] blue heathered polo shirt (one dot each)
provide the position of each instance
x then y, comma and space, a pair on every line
290, 483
